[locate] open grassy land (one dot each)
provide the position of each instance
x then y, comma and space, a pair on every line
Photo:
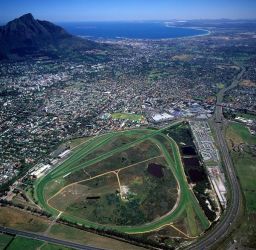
131, 181
18, 219
24, 243
5, 239
48, 246
19, 243
15, 218
247, 116
78, 141
127, 116
220, 85
241, 143
242, 147
77, 235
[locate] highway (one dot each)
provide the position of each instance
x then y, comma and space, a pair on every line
41, 237
221, 229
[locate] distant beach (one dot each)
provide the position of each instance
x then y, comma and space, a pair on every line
132, 30
207, 32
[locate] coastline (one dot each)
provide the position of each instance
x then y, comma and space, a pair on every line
208, 32
166, 24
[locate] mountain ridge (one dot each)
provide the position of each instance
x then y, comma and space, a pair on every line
26, 36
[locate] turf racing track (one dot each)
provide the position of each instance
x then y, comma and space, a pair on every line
186, 202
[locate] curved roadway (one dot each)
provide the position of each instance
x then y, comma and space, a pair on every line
221, 230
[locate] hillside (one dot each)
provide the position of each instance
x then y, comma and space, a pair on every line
26, 36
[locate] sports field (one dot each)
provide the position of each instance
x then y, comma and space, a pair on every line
127, 116
132, 181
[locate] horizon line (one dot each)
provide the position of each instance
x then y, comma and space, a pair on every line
138, 20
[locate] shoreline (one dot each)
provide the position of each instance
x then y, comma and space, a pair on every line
208, 32
118, 39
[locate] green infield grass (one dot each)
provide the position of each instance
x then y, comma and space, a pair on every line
131, 181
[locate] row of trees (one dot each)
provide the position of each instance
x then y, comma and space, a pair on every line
28, 208
135, 240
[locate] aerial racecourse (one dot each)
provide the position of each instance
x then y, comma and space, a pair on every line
130, 181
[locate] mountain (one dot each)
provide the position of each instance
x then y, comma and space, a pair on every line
26, 36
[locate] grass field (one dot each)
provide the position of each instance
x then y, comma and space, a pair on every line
127, 116
5, 239
247, 116
85, 182
24, 243
78, 141
48, 246
244, 157
241, 143
220, 85
77, 235
20, 243
14, 218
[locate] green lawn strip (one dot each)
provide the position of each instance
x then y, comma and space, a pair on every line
165, 152
191, 220
247, 116
24, 243
103, 156
88, 149
39, 196
199, 212
5, 239
76, 143
183, 182
243, 132
78, 155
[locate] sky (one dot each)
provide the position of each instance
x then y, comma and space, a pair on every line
116, 10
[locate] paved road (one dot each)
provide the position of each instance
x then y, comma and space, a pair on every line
230, 215
232, 212
46, 238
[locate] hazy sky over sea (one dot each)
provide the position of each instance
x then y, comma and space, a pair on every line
112, 10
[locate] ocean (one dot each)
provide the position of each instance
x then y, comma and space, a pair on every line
129, 30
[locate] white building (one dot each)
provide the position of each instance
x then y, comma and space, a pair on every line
40, 171
162, 117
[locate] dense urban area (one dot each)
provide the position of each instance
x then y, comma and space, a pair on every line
47, 102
